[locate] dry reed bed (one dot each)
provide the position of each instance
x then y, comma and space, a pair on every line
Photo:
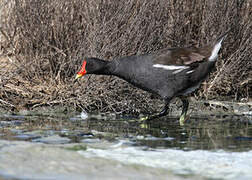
44, 42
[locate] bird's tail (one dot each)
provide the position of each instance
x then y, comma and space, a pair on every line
217, 46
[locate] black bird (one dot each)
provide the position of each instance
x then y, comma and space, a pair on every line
169, 73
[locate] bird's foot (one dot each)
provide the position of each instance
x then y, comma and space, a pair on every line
151, 117
139, 120
144, 118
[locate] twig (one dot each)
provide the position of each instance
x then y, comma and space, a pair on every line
57, 49
4, 34
2, 101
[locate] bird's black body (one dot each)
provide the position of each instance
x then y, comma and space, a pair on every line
168, 73
139, 71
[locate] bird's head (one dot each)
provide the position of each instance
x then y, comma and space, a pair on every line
91, 66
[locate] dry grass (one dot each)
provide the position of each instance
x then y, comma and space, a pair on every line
47, 40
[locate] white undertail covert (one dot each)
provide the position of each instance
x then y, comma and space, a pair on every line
215, 51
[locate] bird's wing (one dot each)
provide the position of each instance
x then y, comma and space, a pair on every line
181, 56
180, 59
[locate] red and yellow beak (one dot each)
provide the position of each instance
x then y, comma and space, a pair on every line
82, 72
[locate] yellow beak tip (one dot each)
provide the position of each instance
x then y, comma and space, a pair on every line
77, 76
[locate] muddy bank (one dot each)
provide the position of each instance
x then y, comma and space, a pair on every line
196, 108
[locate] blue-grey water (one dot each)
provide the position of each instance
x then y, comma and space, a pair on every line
100, 146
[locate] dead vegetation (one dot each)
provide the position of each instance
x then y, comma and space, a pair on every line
44, 42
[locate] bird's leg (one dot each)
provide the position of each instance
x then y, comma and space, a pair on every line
165, 110
161, 114
182, 118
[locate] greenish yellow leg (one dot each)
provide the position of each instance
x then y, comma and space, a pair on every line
182, 119
183, 116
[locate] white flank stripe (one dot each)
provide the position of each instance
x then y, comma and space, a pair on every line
170, 67
177, 71
189, 72
215, 51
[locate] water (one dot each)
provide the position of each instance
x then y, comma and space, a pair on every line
68, 146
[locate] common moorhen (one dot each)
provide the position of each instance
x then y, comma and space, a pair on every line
168, 72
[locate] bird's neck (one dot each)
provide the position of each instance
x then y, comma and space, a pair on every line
114, 67
106, 68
